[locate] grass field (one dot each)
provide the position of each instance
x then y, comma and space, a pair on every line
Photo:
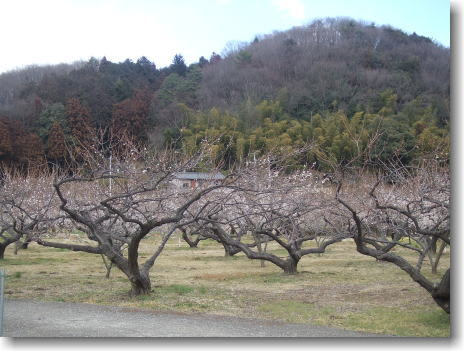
340, 288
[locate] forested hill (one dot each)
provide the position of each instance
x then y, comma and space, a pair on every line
334, 82
330, 64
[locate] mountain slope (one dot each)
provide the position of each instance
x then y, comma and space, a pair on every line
331, 63
330, 82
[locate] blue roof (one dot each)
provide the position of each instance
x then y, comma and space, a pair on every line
199, 175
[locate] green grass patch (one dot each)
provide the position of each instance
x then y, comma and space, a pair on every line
380, 320
57, 249
202, 290
290, 311
26, 261
146, 297
15, 275
177, 289
397, 321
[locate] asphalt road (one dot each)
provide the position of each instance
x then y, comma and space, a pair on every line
23, 318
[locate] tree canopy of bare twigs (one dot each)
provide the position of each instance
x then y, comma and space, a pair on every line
27, 207
412, 213
290, 210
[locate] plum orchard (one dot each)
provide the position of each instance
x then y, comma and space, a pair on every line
118, 205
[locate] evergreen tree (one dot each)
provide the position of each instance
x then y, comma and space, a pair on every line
202, 61
178, 65
54, 113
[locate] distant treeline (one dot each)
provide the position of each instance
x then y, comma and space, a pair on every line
336, 83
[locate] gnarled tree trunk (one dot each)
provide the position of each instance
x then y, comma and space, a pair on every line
290, 266
442, 292
140, 284
2, 251
192, 243
230, 250
6, 240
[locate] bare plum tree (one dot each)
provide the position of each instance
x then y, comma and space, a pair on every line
412, 213
290, 210
119, 206
26, 203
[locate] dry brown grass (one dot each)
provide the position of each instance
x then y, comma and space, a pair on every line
339, 288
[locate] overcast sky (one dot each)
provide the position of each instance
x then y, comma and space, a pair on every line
54, 31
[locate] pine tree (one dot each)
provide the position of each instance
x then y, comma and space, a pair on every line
178, 65
202, 61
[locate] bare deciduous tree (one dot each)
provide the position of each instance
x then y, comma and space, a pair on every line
25, 208
290, 210
416, 208
119, 207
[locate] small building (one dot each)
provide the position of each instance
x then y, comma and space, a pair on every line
194, 179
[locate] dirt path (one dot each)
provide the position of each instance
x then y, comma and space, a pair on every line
24, 318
